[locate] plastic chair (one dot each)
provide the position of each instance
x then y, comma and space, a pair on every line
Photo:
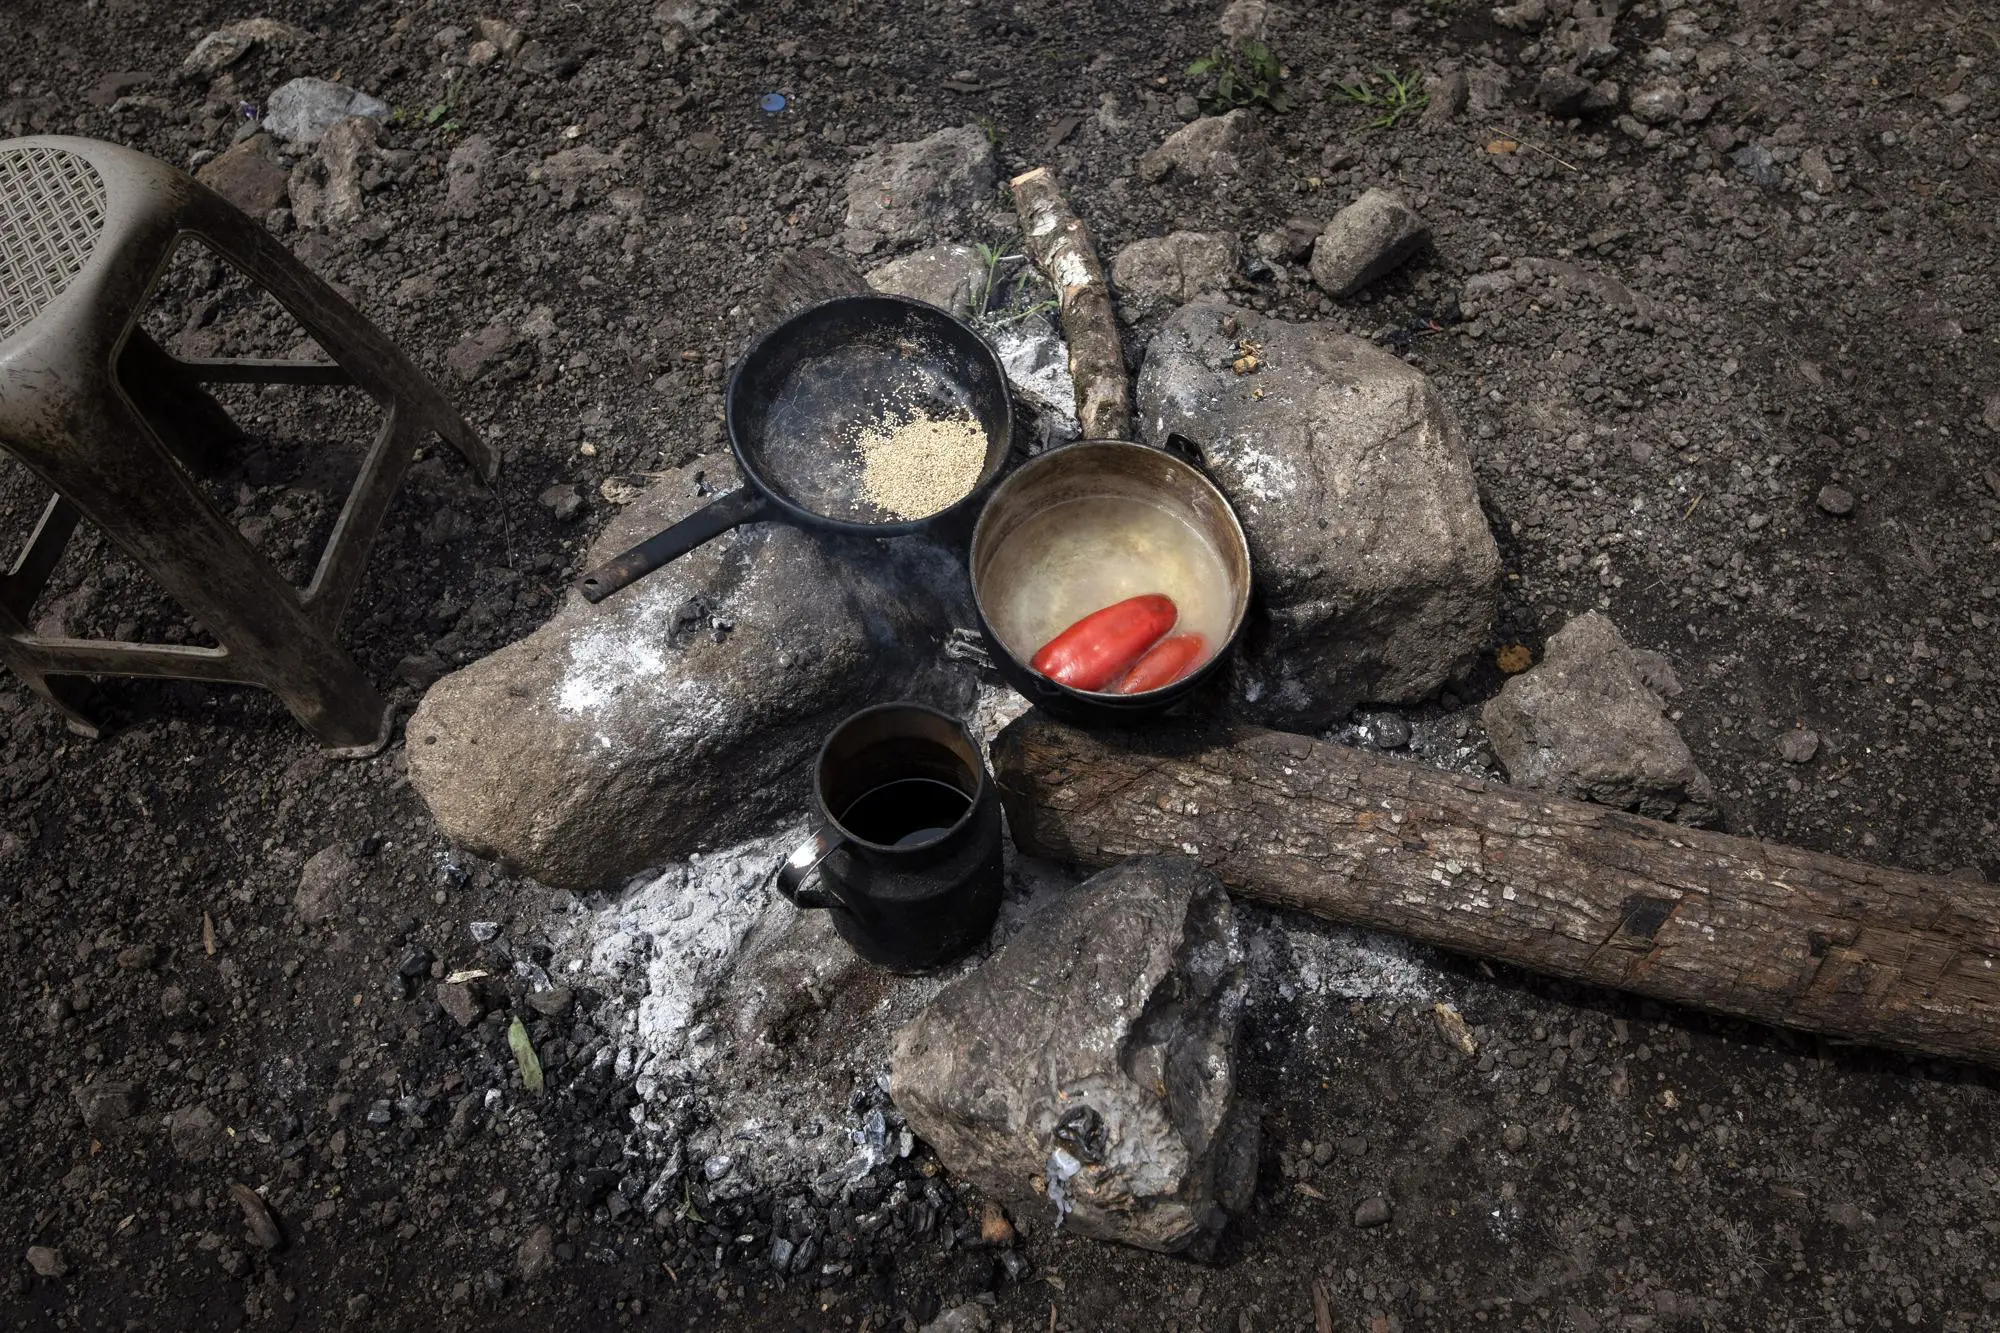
117, 426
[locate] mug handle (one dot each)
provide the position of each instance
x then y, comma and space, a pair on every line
802, 863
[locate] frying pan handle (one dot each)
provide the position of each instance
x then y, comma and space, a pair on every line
740, 506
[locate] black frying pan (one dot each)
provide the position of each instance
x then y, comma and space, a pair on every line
802, 396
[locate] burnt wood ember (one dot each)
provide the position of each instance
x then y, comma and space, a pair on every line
1773, 933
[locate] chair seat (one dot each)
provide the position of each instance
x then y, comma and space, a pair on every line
117, 426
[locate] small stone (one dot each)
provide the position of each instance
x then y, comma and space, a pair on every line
994, 1228
1389, 731
716, 1167
249, 175
563, 501
1836, 500
1798, 746
484, 932
192, 1131
1373, 1211
414, 964
108, 1101
47, 1261
465, 177
258, 1225
139, 957
1563, 94
970, 1317
1352, 1146
1211, 146
1514, 1138
1659, 103
537, 1254
1955, 104
553, 1002
1364, 241
1186, 108
458, 999
324, 884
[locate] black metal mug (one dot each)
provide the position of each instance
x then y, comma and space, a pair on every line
908, 848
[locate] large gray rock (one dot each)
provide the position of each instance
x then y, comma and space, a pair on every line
1377, 571
951, 277
1365, 240
1587, 724
906, 193
302, 111
1209, 147
1164, 271
683, 712
1095, 1057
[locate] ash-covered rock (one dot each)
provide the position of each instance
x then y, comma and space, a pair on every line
951, 277
1376, 567
1090, 1066
1586, 724
681, 712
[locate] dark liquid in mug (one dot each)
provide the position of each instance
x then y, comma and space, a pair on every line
908, 813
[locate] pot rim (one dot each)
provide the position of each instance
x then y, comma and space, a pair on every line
1103, 698
901, 705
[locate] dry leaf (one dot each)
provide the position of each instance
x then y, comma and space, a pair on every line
1503, 146
1322, 1309
1451, 1026
524, 1056
208, 934
1514, 659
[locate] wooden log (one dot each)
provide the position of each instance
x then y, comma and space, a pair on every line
1063, 249
1787, 937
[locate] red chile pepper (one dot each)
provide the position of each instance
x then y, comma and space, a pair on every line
1169, 660
1102, 646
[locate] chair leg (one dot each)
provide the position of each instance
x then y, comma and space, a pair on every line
153, 509
68, 695
364, 351
192, 425
347, 547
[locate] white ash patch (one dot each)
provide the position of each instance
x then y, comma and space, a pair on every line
1293, 957
612, 657
1264, 476
669, 942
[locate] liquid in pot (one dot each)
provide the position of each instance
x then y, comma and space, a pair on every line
1080, 556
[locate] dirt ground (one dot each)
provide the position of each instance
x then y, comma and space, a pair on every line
1809, 300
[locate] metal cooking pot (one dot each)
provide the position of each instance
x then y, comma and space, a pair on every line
1082, 472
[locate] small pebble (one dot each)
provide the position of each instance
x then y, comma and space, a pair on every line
1836, 500
1514, 1137
1373, 1211
1798, 746
47, 1261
